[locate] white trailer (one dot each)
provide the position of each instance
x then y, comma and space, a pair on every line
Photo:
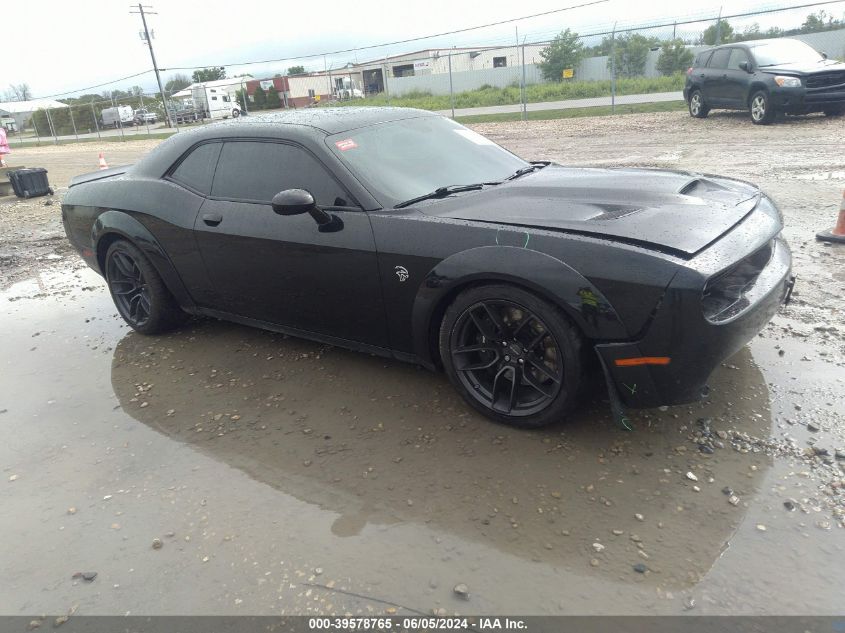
214, 102
118, 116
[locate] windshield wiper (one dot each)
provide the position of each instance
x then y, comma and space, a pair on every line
442, 192
538, 164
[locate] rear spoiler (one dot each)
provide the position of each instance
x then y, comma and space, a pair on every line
99, 175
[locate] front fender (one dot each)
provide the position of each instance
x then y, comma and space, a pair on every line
119, 223
545, 275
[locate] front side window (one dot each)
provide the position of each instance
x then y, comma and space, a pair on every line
408, 158
197, 169
737, 57
255, 171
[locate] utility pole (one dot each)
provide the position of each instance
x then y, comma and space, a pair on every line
141, 8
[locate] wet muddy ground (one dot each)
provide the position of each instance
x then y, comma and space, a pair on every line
284, 476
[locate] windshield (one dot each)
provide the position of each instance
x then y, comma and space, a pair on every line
785, 52
404, 159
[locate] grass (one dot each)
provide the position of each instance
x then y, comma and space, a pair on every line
535, 93
46, 141
542, 115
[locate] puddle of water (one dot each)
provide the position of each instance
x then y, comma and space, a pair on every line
276, 456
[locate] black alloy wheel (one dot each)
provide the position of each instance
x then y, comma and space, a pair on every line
128, 288
513, 356
138, 291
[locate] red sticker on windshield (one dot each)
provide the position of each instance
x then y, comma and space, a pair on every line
346, 144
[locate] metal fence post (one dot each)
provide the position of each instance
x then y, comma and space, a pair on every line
73, 123
719, 28
35, 127
524, 96
451, 91
94, 114
146, 121
52, 127
613, 70
386, 87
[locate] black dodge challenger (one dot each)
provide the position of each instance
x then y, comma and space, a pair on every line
402, 233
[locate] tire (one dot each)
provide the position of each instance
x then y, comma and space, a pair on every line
762, 112
138, 292
697, 108
235, 113
834, 111
488, 342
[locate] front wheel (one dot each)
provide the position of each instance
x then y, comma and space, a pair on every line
235, 113
697, 108
762, 112
512, 356
138, 291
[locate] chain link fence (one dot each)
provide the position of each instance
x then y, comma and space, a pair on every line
617, 68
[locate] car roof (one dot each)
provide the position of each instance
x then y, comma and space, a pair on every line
331, 120
752, 43
307, 125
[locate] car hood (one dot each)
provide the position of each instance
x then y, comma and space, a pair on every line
667, 210
804, 68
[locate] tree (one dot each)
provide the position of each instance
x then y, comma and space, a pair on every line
273, 100
136, 91
209, 74
630, 53
674, 57
259, 99
240, 95
564, 51
20, 92
725, 33
296, 70
821, 21
176, 83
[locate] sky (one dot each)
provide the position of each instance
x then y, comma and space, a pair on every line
58, 46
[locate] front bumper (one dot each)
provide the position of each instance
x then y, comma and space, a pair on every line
695, 345
803, 100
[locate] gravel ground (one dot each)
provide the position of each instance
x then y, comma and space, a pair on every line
282, 476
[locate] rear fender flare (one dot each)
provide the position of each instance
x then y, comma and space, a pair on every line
542, 274
122, 224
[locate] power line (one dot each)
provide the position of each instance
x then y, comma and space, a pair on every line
701, 17
108, 83
406, 41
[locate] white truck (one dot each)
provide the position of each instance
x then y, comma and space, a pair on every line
118, 116
214, 102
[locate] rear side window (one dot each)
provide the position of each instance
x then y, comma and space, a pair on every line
701, 60
738, 56
256, 171
720, 58
196, 171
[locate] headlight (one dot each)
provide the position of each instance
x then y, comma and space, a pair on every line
788, 82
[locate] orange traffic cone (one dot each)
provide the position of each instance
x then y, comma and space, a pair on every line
837, 233
103, 164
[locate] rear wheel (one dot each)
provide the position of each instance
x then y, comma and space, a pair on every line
138, 291
697, 108
762, 112
513, 356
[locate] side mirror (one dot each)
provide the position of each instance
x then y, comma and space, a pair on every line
297, 202
746, 66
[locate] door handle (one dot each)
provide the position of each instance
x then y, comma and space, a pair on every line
212, 219
701, 75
